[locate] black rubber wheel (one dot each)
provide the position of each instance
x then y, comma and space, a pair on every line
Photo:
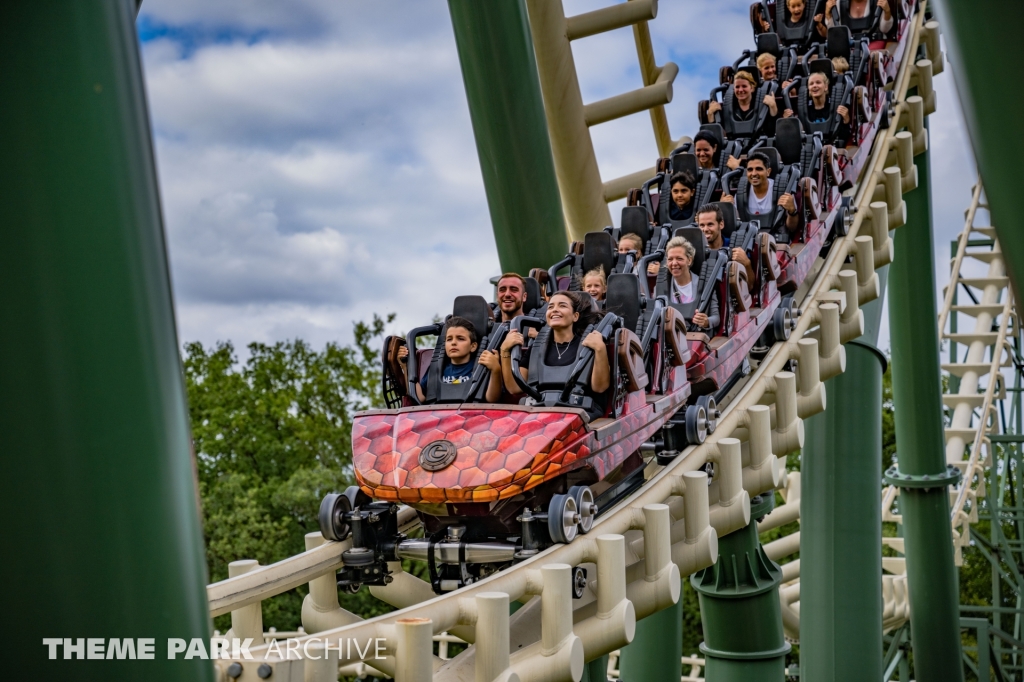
782, 323
839, 226
584, 499
563, 519
696, 424
333, 525
711, 410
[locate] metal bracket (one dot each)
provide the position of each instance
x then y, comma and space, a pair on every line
950, 477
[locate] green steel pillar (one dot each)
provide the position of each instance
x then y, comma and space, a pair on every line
917, 399
841, 527
740, 609
505, 105
596, 670
656, 652
101, 524
983, 37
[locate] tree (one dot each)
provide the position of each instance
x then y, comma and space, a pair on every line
272, 437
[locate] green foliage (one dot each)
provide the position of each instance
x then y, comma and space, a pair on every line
272, 437
888, 419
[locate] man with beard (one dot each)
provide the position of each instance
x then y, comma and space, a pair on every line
711, 222
511, 296
760, 201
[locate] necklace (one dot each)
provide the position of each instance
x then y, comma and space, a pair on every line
562, 352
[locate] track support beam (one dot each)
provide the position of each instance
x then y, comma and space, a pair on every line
101, 522
502, 87
740, 609
841, 527
917, 398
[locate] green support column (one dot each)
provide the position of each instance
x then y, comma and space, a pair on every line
656, 652
596, 670
505, 105
740, 610
920, 444
101, 523
982, 35
841, 527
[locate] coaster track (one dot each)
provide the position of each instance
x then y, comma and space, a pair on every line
639, 550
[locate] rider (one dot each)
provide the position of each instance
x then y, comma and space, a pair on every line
683, 285
511, 295
569, 313
759, 197
595, 283
744, 108
711, 222
460, 343
683, 187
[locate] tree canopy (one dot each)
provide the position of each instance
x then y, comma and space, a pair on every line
272, 436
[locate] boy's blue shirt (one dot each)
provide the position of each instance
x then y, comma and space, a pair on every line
453, 374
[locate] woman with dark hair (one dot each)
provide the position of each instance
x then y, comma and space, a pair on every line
569, 314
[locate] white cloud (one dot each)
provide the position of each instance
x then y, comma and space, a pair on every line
317, 161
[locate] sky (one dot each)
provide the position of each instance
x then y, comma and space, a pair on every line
317, 164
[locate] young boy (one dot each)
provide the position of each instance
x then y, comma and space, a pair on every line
460, 343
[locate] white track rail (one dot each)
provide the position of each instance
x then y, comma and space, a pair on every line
637, 551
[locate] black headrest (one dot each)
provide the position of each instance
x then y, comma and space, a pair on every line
789, 139
821, 65
753, 71
599, 251
716, 130
634, 221
477, 310
623, 298
700, 245
729, 216
839, 42
773, 159
686, 162
769, 43
533, 297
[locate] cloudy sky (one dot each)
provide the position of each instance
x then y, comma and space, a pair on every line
317, 162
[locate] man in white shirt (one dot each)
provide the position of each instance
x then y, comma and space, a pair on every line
759, 197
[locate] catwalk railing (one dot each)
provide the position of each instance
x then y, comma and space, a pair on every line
637, 551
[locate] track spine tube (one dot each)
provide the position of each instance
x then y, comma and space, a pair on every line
920, 443
499, 70
102, 537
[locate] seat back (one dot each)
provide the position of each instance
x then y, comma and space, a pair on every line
839, 43
477, 310
789, 140
598, 251
533, 297
718, 131
768, 43
774, 162
634, 221
685, 161
623, 298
